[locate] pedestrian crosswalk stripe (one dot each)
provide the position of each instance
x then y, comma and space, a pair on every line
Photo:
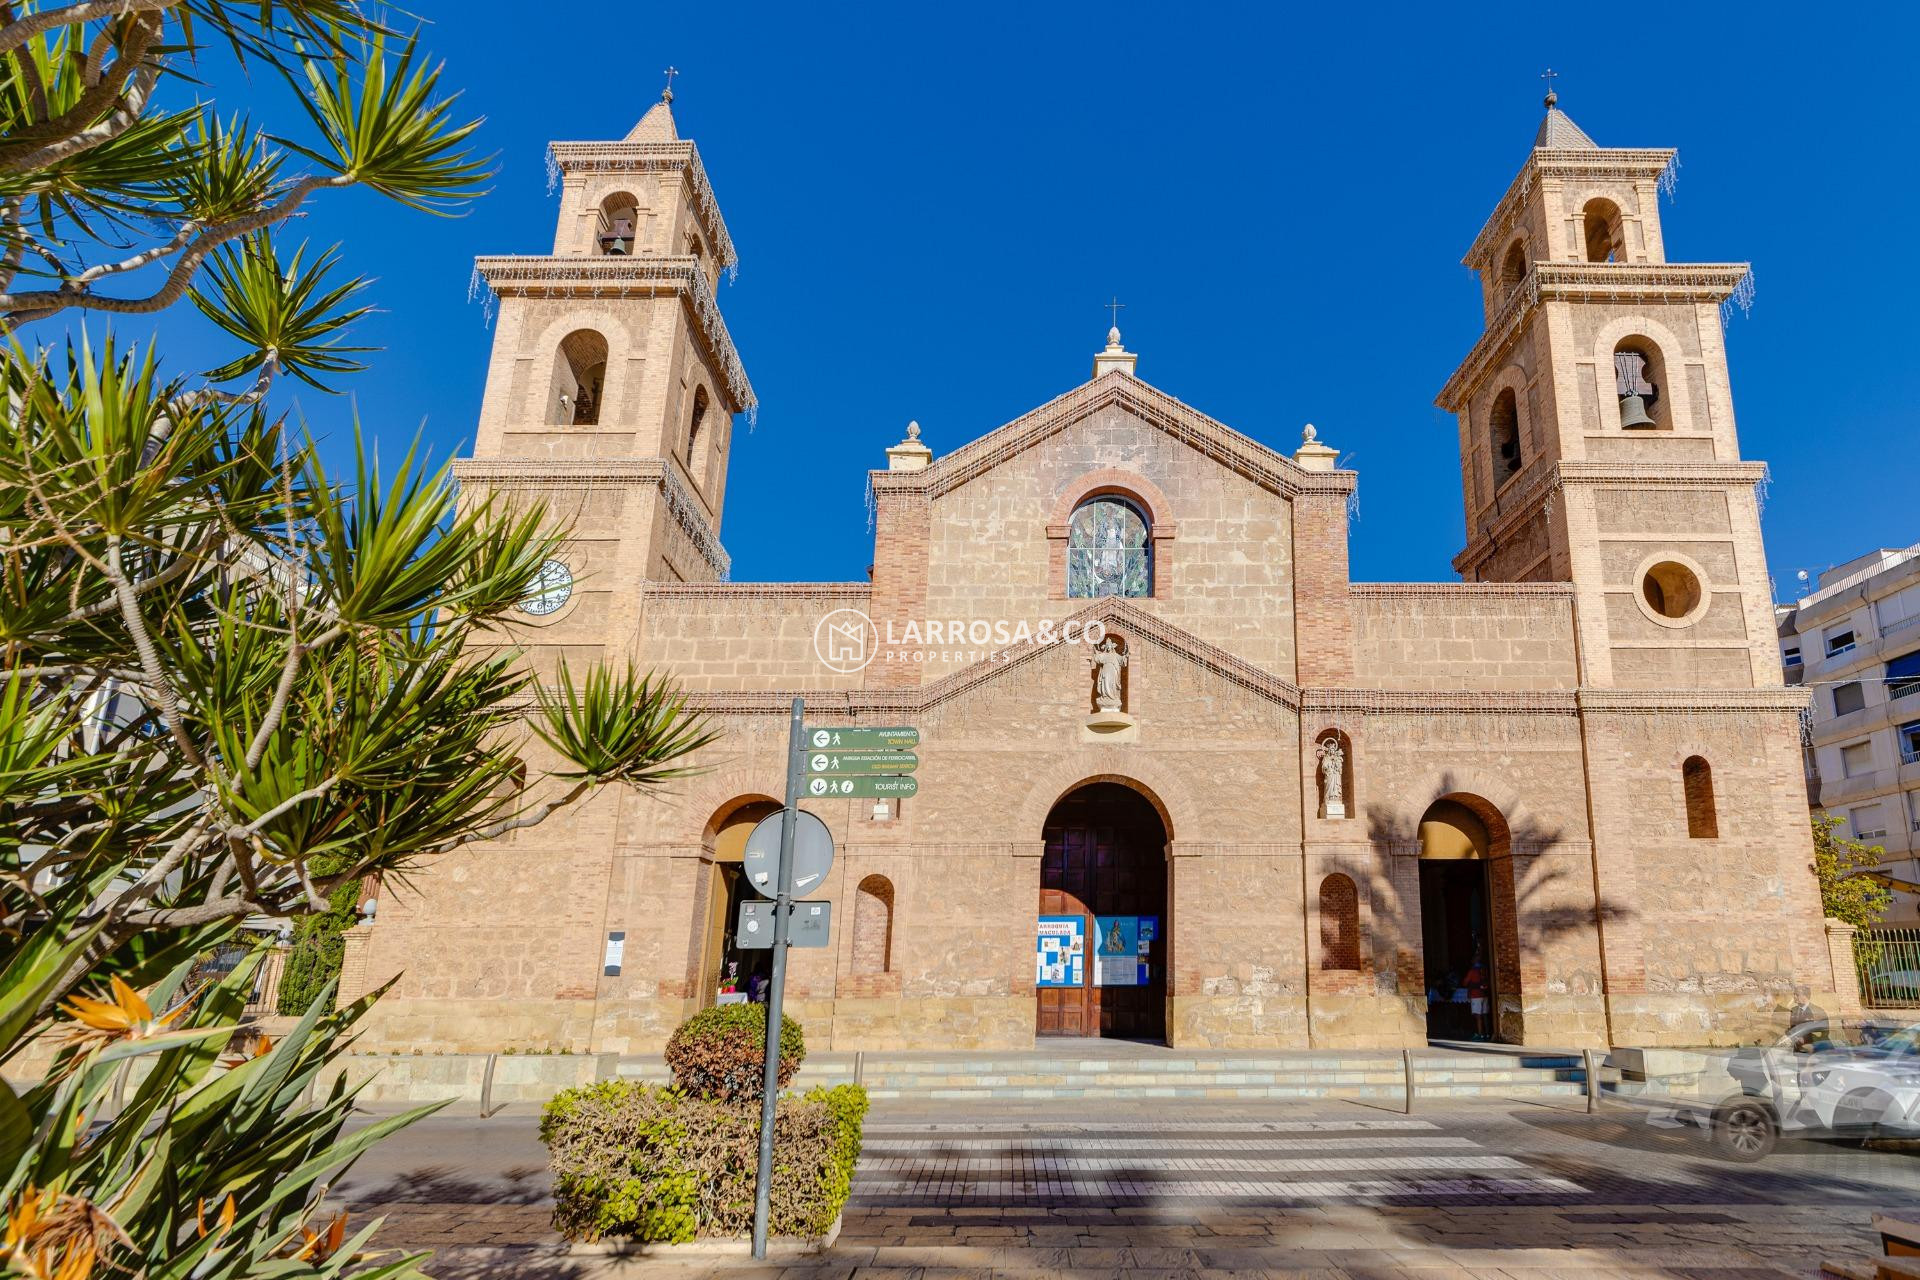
1025, 1165
933, 1144
1172, 1126
1221, 1189
1058, 1162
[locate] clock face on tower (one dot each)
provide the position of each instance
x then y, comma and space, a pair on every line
548, 590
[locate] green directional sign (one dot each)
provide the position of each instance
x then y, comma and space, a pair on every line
862, 762
826, 788
826, 738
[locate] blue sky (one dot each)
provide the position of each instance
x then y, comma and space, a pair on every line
932, 203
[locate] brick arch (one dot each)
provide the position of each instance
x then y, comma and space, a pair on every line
704, 803
1512, 978
1101, 765
1673, 359
613, 392
1115, 481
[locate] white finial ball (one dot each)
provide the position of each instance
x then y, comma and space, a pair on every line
913, 431
1113, 336
1309, 434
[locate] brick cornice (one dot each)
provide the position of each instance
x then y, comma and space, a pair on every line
1240, 454
757, 590
1461, 590
653, 157
1619, 282
626, 276
1688, 702
541, 473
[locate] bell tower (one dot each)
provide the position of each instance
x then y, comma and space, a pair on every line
1596, 427
613, 384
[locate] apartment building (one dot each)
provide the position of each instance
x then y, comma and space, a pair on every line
1855, 641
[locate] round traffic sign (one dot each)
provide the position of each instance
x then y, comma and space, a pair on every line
812, 854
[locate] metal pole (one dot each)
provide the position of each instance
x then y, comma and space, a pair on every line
1593, 1082
1406, 1063
486, 1087
782, 905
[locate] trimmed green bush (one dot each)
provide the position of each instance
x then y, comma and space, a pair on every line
655, 1164
720, 1053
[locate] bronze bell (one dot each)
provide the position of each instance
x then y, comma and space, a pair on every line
617, 239
1633, 411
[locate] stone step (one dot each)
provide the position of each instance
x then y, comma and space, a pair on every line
1005, 1076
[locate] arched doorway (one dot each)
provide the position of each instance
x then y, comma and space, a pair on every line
722, 963
1105, 862
1467, 922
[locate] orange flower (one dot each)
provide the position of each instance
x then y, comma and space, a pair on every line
322, 1245
55, 1236
125, 1015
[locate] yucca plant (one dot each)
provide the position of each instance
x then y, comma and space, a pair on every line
231, 685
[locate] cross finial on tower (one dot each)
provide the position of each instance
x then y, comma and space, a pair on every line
1550, 75
666, 94
1116, 307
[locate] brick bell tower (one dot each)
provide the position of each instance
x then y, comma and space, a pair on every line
1597, 440
613, 385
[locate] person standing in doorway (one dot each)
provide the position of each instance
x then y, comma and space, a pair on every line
1476, 984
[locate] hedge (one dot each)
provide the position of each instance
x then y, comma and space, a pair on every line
721, 1052
655, 1164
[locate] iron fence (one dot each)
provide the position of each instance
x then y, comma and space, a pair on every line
1889, 961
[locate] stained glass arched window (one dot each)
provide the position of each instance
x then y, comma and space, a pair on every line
1108, 552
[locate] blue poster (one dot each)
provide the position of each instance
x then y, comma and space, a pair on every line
1060, 952
1117, 951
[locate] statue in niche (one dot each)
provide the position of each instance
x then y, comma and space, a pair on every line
1106, 661
1333, 763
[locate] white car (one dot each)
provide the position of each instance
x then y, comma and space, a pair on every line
1872, 1092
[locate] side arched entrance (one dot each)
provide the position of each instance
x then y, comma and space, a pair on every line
1105, 862
727, 971
1469, 936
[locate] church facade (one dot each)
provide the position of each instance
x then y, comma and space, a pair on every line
1273, 807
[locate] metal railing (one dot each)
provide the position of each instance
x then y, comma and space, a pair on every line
1889, 965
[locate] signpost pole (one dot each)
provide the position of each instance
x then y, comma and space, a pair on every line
782, 904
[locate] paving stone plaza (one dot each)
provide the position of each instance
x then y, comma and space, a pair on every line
1522, 1188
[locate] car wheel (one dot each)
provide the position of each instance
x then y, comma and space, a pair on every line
1744, 1131
1860, 1113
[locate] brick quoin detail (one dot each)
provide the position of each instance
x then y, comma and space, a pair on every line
900, 550
1323, 610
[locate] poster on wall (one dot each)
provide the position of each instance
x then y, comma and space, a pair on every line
1060, 952
1149, 930
1117, 951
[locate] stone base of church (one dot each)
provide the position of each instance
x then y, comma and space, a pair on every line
975, 1023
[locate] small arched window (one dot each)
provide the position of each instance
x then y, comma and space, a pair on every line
695, 422
1696, 775
1640, 378
619, 216
1503, 423
1339, 923
1513, 268
579, 375
1601, 223
1109, 552
873, 926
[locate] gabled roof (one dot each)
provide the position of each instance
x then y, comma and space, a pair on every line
1237, 452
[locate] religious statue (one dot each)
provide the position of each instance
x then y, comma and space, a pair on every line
1106, 660
1333, 762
